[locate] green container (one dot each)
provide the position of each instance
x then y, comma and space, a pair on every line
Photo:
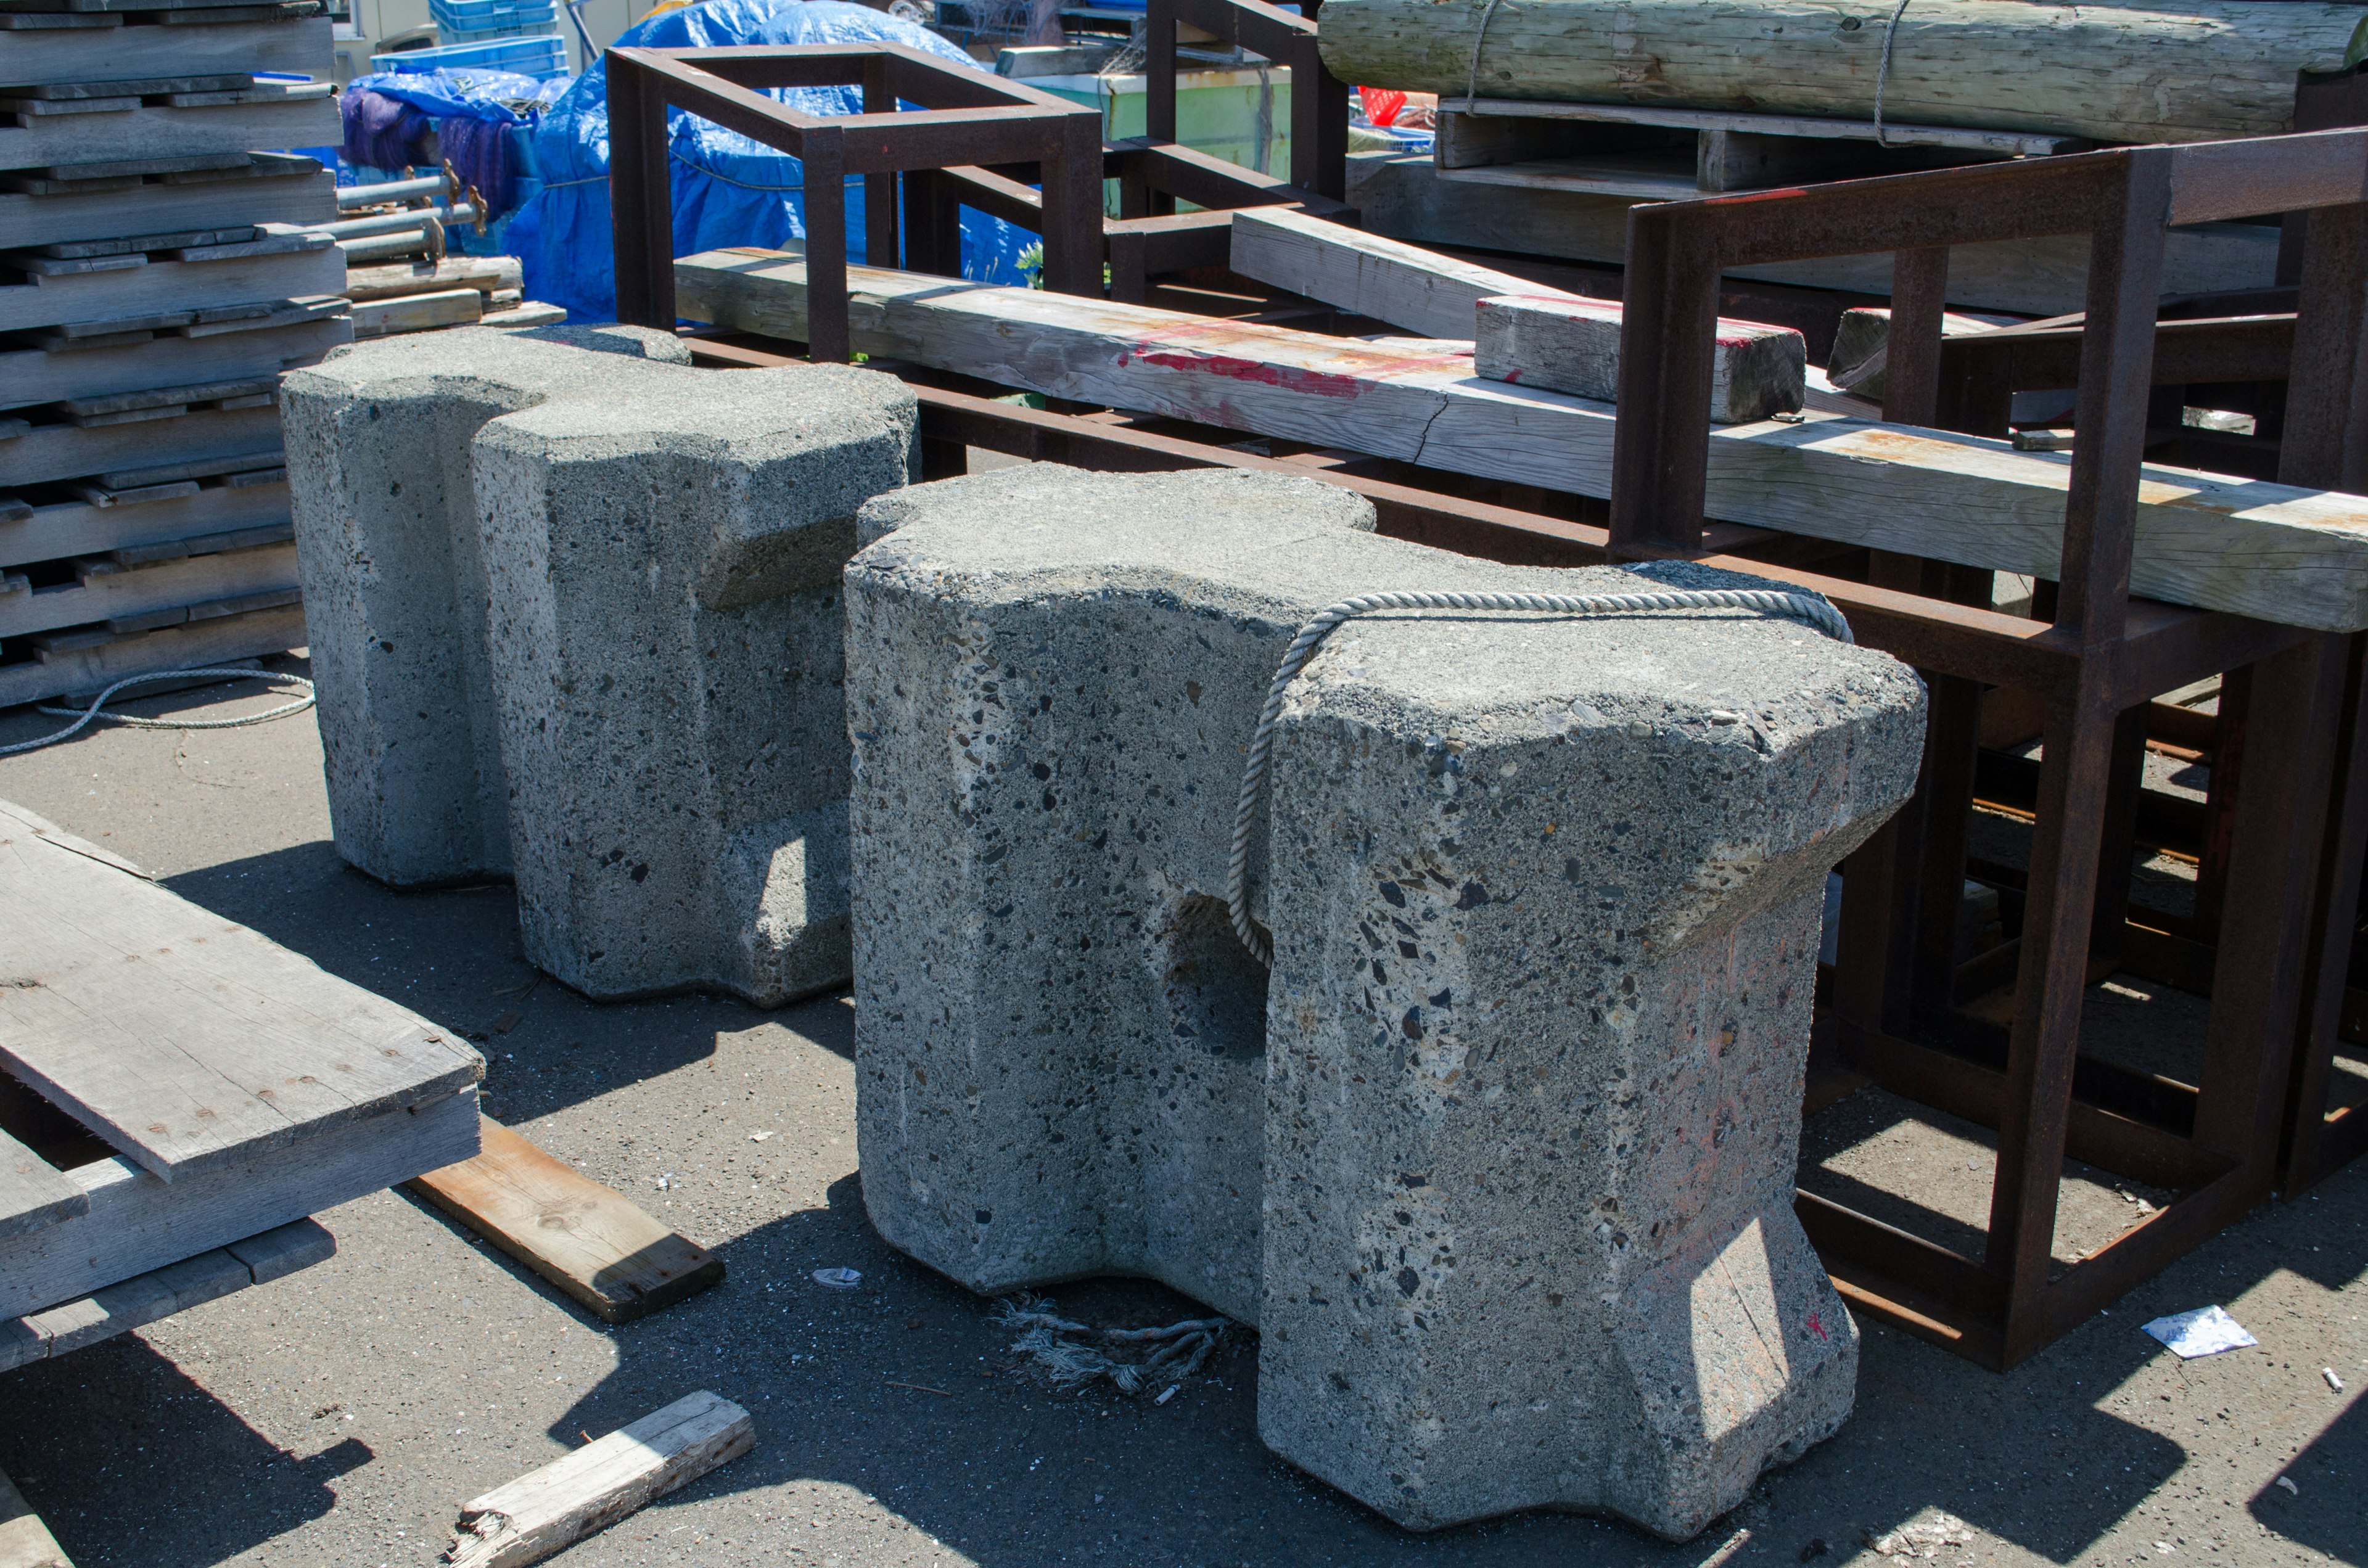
1242, 115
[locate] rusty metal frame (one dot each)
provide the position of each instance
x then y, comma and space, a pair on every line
966, 117
1320, 100
1901, 889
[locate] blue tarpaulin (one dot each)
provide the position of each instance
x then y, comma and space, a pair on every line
728, 190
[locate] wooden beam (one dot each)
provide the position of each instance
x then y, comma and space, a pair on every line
2282, 553
30, 376
590, 1241
418, 312
116, 291
1573, 346
601, 1483
169, 209
1384, 278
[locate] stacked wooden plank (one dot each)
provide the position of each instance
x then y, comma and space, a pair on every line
155, 278
459, 290
178, 1094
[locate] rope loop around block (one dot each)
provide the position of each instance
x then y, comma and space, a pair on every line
1807, 608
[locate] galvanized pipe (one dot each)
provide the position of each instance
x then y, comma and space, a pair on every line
396, 222
353, 195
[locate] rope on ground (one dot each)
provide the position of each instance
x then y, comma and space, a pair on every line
85, 716
1806, 608
1052, 1342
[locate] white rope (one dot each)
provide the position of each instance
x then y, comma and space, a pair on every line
1806, 608
1883, 69
84, 716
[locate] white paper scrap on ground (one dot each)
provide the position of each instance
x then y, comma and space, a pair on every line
2206, 1331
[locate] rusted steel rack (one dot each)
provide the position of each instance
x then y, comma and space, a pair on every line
1320, 100
2100, 663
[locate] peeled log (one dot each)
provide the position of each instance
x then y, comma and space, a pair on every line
2206, 70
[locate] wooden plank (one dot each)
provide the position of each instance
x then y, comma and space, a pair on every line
1571, 344
29, 376
40, 140
1476, 112
2203, 70
105, 592
32, 1194
587, 1491
158, 1294
1643, 176
138, 1222
1368, 274
1406, 199
417, 313
588, 1240
62, 530
533, 312
297, 48
118, 293
25, 1541
157, 209
2282, 553
82, 668
486, 274
189, 1041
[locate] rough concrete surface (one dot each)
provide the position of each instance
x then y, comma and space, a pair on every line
1501, 1161
645, 618
341, 1415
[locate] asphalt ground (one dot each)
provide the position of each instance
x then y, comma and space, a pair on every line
341, 1415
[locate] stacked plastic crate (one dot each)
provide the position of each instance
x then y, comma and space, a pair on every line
155, 281
488, 35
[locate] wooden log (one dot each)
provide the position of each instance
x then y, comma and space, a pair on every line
486, 274
190, 1042
1368, 274
2282, 553
418, 312
601, 1483
157, 209
104, 592
25, 1541
2204, 70
297, 48
37, 140
1407, 200
590, 1241
119, 293
75, 665
1572, 345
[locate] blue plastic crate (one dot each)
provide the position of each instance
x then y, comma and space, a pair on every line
488, 35
490, 12
545, 56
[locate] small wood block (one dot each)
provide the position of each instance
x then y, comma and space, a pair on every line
277, 1253
417, 313
1573, 346
601, 1483
19, 1342
132, 496
25, 1541
534, 313
588, 1240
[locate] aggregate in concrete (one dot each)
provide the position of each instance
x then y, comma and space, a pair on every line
1500, 1158
341, 1415
624, 689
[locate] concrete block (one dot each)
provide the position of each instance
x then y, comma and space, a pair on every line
618, 672
1499, 1156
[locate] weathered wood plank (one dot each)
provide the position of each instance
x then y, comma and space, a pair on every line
25, 1541
72, 666
138, 1222
1485, 117
1406, 199
158, 1294
189, 1041
108, 593
1571, 344
48, 452
417, 313
601, 1483
2208, 69
2282, 553
155, 209
29, 376
32, 1194
41, 141
486, 274
1371, 275
588, 1240
297, 48
118, 293
533, 313
62, 530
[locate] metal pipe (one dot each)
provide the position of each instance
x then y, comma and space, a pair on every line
353, 195
427, 241
395, 223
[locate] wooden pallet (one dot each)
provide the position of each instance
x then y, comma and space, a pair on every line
294, 191
36, 55
275, 119
43, 454
84, 660
175, 1083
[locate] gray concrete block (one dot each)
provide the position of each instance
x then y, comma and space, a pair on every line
1499, 1156
632, 659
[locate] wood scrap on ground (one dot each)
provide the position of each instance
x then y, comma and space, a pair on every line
601, 1483
25, 1541
588, 1240
2284, 553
